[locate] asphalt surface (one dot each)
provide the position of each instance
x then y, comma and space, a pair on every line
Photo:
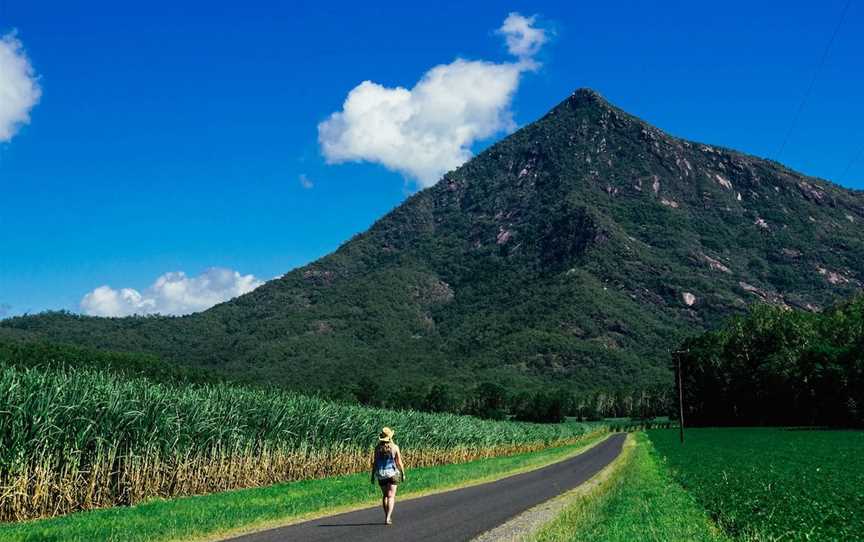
461, 514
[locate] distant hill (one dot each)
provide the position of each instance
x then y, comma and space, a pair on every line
578, 251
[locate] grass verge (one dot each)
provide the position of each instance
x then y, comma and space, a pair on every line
210, 517
531, 521
638, 501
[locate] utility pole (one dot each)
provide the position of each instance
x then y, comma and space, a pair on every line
680, 395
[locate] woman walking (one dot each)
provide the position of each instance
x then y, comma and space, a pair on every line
388, 470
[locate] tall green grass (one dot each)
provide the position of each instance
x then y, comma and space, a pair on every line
773, 484
73, 439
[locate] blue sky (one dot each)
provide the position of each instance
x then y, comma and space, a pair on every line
171, 136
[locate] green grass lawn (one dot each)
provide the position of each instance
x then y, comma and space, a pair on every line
206, 517
639, 501
773, 484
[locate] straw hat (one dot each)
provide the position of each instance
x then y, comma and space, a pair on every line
386, 435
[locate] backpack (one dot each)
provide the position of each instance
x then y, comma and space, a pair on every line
385, 466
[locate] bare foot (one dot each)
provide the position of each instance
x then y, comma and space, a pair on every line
389, 522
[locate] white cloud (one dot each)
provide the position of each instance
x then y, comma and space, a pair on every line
172, 293
306, 182
428, 130
19, 89
523, 39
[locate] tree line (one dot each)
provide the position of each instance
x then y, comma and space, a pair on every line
493, 400
778, 366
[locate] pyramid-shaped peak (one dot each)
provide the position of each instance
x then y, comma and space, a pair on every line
585, 99
586, 103
588, 96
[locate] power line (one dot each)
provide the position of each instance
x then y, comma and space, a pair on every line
813, 80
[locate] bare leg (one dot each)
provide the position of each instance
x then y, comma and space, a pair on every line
391, 502
384, 499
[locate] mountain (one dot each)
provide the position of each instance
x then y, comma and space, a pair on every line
579, 250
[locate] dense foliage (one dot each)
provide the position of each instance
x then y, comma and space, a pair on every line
773, 484
575, 252
485, 399
776, 366
83, 437
45, 356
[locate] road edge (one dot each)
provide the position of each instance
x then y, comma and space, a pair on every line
225, 536
523, 526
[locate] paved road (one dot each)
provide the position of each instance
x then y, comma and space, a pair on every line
456, 515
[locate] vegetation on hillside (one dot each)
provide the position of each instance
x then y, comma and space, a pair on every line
574, 253
49, 356
75, 438
777, 366
772, 484
484, 399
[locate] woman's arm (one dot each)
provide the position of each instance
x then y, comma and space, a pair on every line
399, 462
372, 476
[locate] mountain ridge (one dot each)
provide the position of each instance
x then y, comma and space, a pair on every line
578, 250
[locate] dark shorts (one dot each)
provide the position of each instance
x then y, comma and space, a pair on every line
393, 480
